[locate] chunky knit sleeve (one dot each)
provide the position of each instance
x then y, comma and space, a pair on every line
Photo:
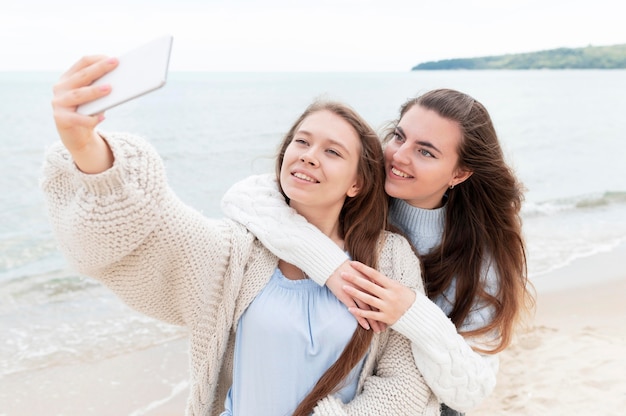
460, 377
394, 386
126, 228
257, 203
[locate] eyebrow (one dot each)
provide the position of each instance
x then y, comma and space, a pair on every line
420, 142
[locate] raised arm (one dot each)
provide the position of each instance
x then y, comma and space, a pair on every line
126, 228
115, 218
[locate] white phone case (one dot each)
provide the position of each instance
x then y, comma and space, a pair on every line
140, 71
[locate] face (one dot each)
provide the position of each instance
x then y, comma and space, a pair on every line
320, 165
421, 159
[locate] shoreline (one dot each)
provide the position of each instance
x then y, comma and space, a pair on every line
570, 361
605, 266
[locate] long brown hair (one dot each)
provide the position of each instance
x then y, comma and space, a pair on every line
482, 223
362, 221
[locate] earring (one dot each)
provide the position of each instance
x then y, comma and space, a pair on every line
451, 187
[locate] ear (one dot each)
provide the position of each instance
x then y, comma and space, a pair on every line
460, 175
354, 190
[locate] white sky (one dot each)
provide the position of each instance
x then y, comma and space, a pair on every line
293, 35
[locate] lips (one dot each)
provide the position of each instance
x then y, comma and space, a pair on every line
399, 173
303, 176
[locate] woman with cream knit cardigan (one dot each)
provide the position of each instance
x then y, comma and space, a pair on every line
117, 220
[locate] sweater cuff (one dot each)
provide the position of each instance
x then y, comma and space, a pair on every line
320, 271
59, 159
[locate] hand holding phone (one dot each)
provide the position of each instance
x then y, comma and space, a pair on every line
139, 72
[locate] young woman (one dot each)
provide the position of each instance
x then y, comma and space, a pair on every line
264, 340
458, 202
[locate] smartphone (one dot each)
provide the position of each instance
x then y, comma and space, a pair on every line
139, 72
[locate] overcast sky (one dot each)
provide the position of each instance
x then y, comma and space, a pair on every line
292, 35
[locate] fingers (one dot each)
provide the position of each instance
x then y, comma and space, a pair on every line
336, 284
372, 302
84, 62
386, 298
376, 326
371, 316
72, 98
372, 274
362, 321
87, 70
75, 86
364, 284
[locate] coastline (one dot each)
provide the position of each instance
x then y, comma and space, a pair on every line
570, 361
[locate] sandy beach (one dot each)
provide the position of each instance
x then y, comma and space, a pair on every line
570, 362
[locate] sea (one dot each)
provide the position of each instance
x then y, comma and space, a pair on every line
563, 131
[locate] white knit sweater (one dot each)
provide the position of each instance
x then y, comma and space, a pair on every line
126, 228
459, 376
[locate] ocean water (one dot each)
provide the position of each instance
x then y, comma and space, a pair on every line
564, 132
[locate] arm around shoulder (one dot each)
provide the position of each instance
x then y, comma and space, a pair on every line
257, 203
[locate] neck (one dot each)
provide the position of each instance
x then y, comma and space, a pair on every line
325, 220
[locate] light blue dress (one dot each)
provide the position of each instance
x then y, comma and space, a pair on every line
291, 333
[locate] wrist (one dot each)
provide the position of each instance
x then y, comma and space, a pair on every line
95, 157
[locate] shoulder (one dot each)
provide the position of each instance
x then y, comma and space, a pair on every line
395, 244
246, 243
399, 261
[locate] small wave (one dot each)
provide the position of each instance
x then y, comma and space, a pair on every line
554, 261
581, 202
608, 198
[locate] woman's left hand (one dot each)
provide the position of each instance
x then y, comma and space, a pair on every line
387, 298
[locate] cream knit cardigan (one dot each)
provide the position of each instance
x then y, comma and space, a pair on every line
126, 228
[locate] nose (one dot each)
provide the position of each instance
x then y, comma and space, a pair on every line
401, 154
309, 158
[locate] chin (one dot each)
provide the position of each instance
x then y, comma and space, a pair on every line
392, 190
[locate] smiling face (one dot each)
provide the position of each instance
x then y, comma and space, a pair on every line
421, 159
319, 168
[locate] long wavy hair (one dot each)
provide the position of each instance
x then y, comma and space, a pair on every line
362, 220
482, 224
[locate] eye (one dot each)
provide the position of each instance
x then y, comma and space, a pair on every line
300, 141
333, 152
397, 137
425, 152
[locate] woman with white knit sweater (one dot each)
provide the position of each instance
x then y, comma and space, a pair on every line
264, 339
457, 201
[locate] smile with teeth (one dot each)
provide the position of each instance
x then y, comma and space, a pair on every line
304, 177
399, 173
